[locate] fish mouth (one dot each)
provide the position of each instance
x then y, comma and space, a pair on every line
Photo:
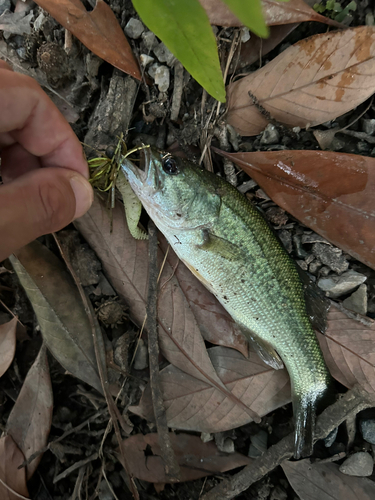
141, 176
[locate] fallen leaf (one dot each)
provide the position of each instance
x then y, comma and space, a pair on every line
58, 307
196, 459
30, 420
348, 347
11, 458
311, 82
331, 193
16, 23
98, 30
7, 344
125, 262
324, 481
196, 406
274, 11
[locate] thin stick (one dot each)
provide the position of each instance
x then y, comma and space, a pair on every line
172, 469
354, 401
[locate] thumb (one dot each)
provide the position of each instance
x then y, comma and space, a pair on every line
40, 202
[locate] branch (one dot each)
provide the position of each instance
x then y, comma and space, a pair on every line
354, 401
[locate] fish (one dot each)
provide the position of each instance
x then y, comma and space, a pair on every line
228, 245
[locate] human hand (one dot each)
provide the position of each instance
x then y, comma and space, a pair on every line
42, 165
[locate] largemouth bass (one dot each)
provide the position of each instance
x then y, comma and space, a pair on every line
229, 247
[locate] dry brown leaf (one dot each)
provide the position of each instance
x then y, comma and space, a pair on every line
275, 13
7, 344
58, 307
11, 458
98, 30
196, 459
125, 261
315, 80
196, 406
324, 481
29, 422
331, 193
348, 347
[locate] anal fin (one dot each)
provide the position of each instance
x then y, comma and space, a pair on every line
264, 350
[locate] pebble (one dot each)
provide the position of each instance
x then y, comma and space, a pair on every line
363, 147
368, 126
145, 60
206, 437
313, 238
270, 135
357, 302
162, 78
245, 34
301, 252
302, 264
164, 54
104, 491
335, 286
141, 356
149, 39
359, 464
368, 430
330, 439
331, 257
315, 266
286, 240
134, 28
4, 5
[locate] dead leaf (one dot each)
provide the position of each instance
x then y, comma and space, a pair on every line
11, 458
16, 23
348, 347
196, 406
30, 420
331, 193
275, 13
58, 307
125, 262
196, 459
98, 30
7, 344
311, 82
326, 482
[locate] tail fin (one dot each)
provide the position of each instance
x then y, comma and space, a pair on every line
304, 421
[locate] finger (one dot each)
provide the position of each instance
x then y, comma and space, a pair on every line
40, 202
16, 161
29, 117
5, 65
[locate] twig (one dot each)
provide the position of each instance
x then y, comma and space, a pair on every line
354, 401
177, 90
172, 469
74, 467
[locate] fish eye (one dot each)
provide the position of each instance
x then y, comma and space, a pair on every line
170, 166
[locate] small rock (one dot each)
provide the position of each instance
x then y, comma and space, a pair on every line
259, 193
315, 266
245, 34
145, 60
331, 257
206, 437
149, 39
277, 216
286, 240
368, 126
104, 491
302, 264
4, 5
164, 54
270, 135
368, 430
313, 238
228, 446
301, 252
246, 186
359, 464
363, 147
335, 286
134, 28
357, 302
324, 271
162, 78
330, 439
224, 442
141, 356
152, 70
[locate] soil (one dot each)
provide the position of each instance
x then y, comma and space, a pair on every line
101, 103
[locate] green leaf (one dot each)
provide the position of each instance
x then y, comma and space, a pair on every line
250, 13
185, 29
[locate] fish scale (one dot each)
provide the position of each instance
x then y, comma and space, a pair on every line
227, 244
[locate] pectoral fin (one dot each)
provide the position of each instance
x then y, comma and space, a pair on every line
264, 350
220, 246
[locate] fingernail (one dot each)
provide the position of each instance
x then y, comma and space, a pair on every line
83, 193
